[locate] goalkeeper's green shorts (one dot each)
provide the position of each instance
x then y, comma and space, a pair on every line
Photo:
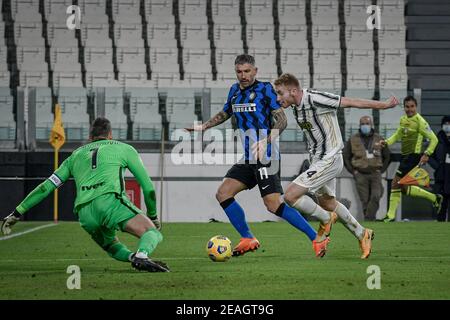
104, 215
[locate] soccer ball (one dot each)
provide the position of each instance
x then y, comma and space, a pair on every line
219, 248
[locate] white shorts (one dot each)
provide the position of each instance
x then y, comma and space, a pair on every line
320, 178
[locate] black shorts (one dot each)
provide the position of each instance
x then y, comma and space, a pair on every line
257, 174
407, 163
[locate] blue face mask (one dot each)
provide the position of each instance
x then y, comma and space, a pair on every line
365, 129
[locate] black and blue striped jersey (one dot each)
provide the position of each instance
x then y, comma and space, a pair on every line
252, 109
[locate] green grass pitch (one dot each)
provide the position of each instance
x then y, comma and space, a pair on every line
414, 260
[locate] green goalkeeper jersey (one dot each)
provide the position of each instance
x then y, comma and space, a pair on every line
97, 168
411, 132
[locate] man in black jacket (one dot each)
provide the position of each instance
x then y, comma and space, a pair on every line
440, 162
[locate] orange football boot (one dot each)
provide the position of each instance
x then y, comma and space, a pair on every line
245, 245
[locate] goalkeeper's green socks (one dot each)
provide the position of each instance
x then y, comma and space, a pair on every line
148, 242
394, 200
415, 191
119, 252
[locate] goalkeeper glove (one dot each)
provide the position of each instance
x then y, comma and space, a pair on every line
9, 221
156, 222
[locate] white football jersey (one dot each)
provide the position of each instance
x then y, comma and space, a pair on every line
317, 116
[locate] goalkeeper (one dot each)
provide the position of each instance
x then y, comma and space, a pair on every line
411, 131
101, 204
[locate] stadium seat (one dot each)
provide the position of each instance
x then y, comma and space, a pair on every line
161, 35
95, 35
7, 123
358, 37
135, 79
25, 11
28, 34
180, 108
294, 60
98, 59
227, 36
192, 11
392, 60
259, 12
128, 35
194, 36
31, 59
2, 32
392, 37
67, 79
164, 60
356, 12
325, 37
293, 36
33, 79
131, 59
60, 36
327, 61
327, 81
4, 78
392, 12
260, 36
393, 80
100, 79
73, 102
291, 12
64, 59
225, 59
265, 60
360, 62
225, 12
126, 11
166, 79
44, 115
197, 60
325, 12
159, 8
55, 10
144, 113
360, 81
114, 112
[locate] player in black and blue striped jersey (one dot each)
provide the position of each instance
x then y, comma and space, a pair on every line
260, 120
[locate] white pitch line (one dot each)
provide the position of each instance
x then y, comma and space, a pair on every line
27, 231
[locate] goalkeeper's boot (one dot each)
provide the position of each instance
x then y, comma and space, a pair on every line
146, 264
438, 203
389, 218
320, 248
245, 245
325, 228
365, 244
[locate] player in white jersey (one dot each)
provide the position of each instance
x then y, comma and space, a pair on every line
316, 114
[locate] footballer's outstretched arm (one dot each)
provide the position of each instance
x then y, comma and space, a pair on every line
37, 195
219, 118
368, 104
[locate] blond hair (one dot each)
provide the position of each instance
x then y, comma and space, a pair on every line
287, 79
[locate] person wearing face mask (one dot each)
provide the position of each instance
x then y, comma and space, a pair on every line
440, 162
367, 163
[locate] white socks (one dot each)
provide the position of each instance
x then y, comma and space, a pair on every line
307, 206
349, 221
141, 255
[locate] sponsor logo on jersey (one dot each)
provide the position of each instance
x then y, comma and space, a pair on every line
306, 125
244, 107
92, 187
